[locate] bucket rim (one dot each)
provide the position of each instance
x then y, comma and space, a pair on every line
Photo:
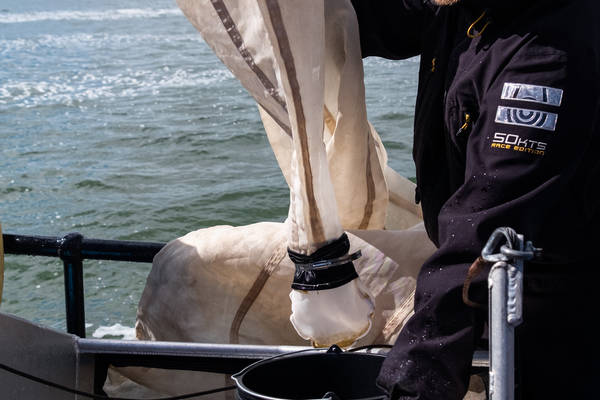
237, 377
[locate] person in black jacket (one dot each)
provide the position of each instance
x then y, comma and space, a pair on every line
507, 133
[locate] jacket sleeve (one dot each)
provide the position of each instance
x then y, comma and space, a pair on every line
530, 160
392, 29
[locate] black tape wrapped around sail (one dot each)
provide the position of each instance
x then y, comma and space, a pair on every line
327, 268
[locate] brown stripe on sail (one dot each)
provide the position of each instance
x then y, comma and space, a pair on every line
364, 224
238, 41
258, 285
406, 204
316, 224
283, 126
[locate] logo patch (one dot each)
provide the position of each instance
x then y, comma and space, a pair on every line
533, 93
517, 143
525, 117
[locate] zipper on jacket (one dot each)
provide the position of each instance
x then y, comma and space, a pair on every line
462, 135
465, 127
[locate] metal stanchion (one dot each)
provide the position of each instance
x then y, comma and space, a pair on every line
70, 253
505, 285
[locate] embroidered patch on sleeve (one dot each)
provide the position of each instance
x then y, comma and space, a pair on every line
533, 93
525, 117
513, 142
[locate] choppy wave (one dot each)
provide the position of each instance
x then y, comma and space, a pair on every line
89, 86
103, 15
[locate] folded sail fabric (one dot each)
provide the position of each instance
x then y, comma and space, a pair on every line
228, 284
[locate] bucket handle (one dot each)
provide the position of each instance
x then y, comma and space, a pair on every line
237, 375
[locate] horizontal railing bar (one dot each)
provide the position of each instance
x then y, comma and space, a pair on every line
92, 249
30, 245
181, 349
481, 359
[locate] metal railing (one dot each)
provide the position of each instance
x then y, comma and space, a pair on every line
72, 249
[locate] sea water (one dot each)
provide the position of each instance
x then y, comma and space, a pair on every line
118, 122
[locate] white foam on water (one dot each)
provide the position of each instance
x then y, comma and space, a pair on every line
104, 15
126, 332
81, 87
93, 41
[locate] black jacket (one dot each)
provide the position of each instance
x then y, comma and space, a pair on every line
507, 133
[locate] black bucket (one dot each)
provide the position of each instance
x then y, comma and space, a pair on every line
312, 375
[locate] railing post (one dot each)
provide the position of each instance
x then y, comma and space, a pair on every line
502, 335
505, 283
70, 253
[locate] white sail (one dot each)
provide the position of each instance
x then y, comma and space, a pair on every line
238, 34
306, 75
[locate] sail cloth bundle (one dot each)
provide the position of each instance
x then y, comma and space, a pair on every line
300, 60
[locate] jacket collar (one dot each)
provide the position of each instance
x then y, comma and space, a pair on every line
499, 5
